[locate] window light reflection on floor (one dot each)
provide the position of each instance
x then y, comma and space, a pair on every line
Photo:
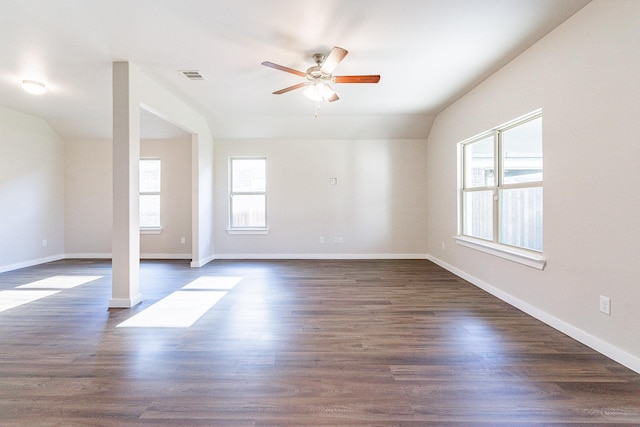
12, 298
214, 282
183, 308
59, 282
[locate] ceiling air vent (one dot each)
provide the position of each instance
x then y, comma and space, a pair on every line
192, 74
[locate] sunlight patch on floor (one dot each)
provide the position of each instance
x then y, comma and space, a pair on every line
10, 299
181, 309
24, 293
214, 282
59, 282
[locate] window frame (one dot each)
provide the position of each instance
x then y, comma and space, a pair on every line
235, 229
152, 229
530, 257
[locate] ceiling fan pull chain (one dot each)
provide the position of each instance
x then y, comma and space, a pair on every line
317, 109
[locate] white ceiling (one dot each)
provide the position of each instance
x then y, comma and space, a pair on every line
428, 52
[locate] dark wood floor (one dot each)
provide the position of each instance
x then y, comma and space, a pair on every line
341, 343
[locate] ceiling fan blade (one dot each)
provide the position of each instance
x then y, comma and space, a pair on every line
290, 88
357, 79
336, 55
283, 68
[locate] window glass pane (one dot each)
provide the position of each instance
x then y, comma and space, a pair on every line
248, 175
479, 163
248, 211
149, 175
149, 210
522, 153
478, 214
521, 217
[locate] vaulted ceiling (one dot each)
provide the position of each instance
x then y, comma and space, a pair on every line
428, 52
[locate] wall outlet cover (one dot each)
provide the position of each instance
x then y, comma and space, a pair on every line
605, 305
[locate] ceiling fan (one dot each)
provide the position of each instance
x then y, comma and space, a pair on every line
319, 76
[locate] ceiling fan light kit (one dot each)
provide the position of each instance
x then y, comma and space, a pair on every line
34, 87
319, 76
319, 91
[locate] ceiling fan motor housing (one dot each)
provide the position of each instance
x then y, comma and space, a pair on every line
315, 73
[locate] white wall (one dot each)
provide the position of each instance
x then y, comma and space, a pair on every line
89, 199
585, 77
31, 191
377, 206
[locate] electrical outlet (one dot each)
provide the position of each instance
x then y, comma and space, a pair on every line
322, 240
337, 240
44, 242
183, 240
443, 246
605, 305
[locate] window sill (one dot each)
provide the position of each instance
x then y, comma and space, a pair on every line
524, 257
151, 230
247, 231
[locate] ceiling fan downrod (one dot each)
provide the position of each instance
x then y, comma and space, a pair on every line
318, 58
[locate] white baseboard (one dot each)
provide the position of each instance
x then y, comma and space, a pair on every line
321, 256
30, 263
165, 256
202, 261
88, 256
125, 302
142, 256
627, 359
206, 260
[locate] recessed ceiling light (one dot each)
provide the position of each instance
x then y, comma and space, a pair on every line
34, 87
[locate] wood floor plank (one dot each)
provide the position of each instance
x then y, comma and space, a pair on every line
299, 342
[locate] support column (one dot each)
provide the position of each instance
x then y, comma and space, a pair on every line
125, 288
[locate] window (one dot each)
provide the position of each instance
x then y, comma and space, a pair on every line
150, 193
247, 193
501, 185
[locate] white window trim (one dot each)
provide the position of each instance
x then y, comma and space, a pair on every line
151, 230
248, 230
520, 255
